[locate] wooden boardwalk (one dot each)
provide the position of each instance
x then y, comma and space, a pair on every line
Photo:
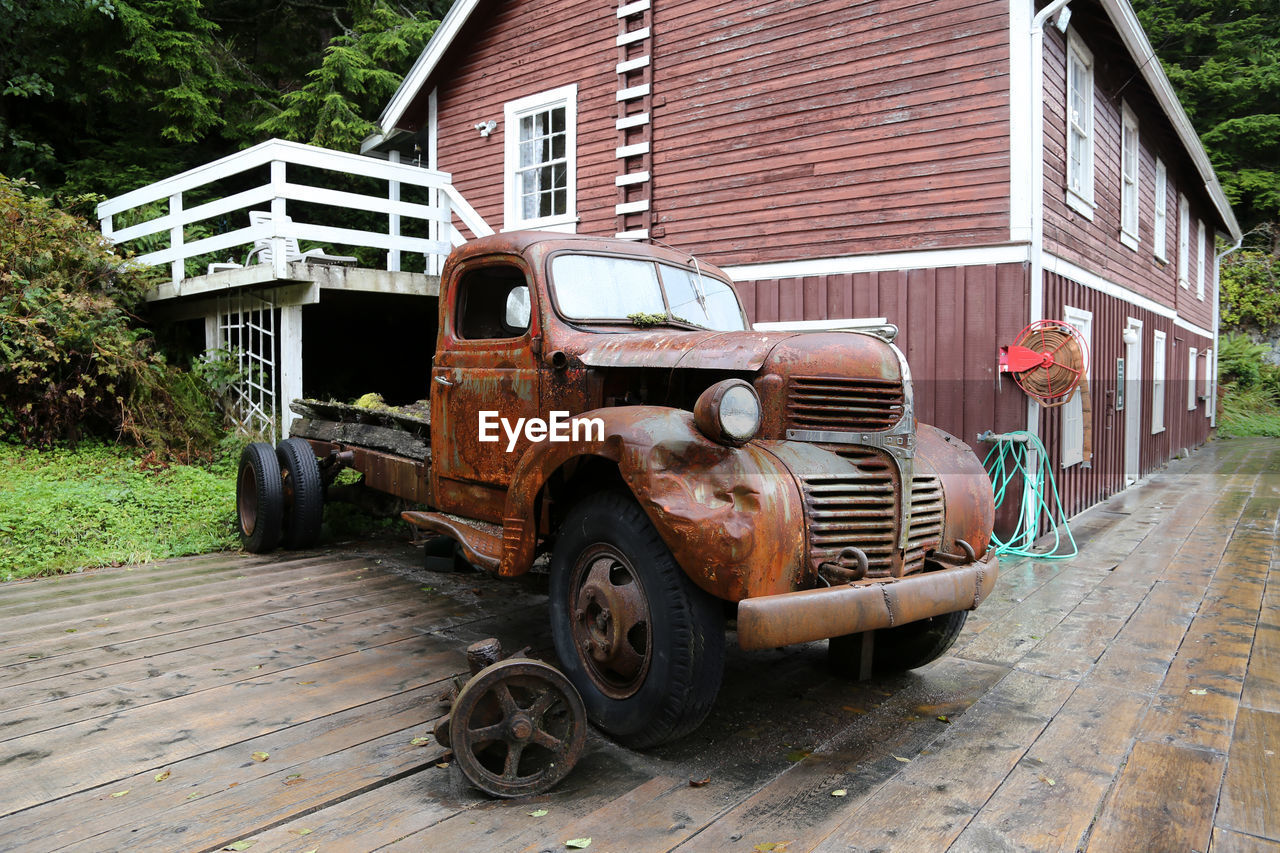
1127, 699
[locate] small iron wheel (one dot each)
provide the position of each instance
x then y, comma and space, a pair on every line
517, 728
611, 620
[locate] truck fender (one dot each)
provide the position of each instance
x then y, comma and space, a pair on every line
736, 526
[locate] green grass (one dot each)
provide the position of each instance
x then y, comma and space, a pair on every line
64, 510
1248, 411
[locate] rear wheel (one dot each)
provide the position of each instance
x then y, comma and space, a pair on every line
259, 498
898, 649
303, 491
641, 643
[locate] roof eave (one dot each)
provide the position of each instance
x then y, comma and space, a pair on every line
1130, 29
430, 57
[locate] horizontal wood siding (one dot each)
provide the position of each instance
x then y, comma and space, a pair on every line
791, 129
1095, 245
515, 48
949, 320
1081, 487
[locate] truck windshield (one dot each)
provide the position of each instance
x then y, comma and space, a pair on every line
614, 290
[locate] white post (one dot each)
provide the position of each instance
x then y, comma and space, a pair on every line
290, 362
212, 340
278, 260
393, 219
108, 230
177, 269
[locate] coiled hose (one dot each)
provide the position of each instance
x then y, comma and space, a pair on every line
1010, 468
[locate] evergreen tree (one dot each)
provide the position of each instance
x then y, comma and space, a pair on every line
1224, 61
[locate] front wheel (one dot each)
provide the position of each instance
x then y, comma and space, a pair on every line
641, 643
898, 649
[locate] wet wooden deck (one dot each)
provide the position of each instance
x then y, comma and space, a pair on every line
1127, 699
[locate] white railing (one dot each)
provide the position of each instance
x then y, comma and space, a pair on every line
278, 191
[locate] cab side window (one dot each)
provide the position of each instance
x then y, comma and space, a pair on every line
493, 303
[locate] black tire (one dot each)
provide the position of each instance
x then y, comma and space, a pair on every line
608, 552
259, 498
899, 649
303, 493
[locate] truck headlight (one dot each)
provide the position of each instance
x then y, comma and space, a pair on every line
728, 412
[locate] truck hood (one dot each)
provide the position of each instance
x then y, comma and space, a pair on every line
665, 348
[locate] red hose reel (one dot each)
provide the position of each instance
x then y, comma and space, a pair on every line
1048, 360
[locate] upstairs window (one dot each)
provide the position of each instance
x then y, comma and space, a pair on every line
1161, 225
1184, 239
1129, 146
540, 156
1079, 126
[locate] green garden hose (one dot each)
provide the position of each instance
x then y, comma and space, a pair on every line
1010, 467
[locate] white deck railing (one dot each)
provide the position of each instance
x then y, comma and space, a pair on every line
278, 191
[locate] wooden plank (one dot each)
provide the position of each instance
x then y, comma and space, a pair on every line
37, 768
38, 708
1262, 680
1248, 802
178, 592
927, 802
421, 809
215, 777
64, 651
1198, 699
1164, 796
1226, 841
1080, 752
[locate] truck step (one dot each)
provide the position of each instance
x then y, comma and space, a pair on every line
481, 542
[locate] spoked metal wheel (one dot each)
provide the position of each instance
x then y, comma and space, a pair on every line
611, 624
517, 728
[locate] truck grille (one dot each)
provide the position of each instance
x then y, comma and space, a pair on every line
862, 509
843, 405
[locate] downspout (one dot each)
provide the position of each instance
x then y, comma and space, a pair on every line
1036, 144
1217, 304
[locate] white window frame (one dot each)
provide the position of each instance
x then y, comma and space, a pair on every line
1080, 79
1210, 373
513, 111
1158, 341
1073, 409
1130, 168
1191, 379
1184, 240
1159, 236
1202, 271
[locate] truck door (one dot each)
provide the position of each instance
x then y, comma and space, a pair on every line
484, 363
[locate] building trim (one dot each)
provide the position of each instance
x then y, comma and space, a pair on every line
1093, 281
888, 262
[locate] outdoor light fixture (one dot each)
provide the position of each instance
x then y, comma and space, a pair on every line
728, 412
1064, 18
487, 127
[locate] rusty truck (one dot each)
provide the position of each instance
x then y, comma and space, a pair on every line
686, 473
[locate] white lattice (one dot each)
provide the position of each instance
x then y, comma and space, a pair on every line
247, 326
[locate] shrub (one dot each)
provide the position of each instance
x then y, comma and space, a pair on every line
1240, 360
74, 359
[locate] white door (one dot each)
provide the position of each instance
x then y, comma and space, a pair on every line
1132, 400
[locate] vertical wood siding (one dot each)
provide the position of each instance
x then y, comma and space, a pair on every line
516, 48
949, 320
791, 129
1095, 245
1080, 486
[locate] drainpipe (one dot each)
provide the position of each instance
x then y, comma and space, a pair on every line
1035, 146
1217, 304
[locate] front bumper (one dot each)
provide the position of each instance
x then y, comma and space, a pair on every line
770, 621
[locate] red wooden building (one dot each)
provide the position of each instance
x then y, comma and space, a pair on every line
961, 168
